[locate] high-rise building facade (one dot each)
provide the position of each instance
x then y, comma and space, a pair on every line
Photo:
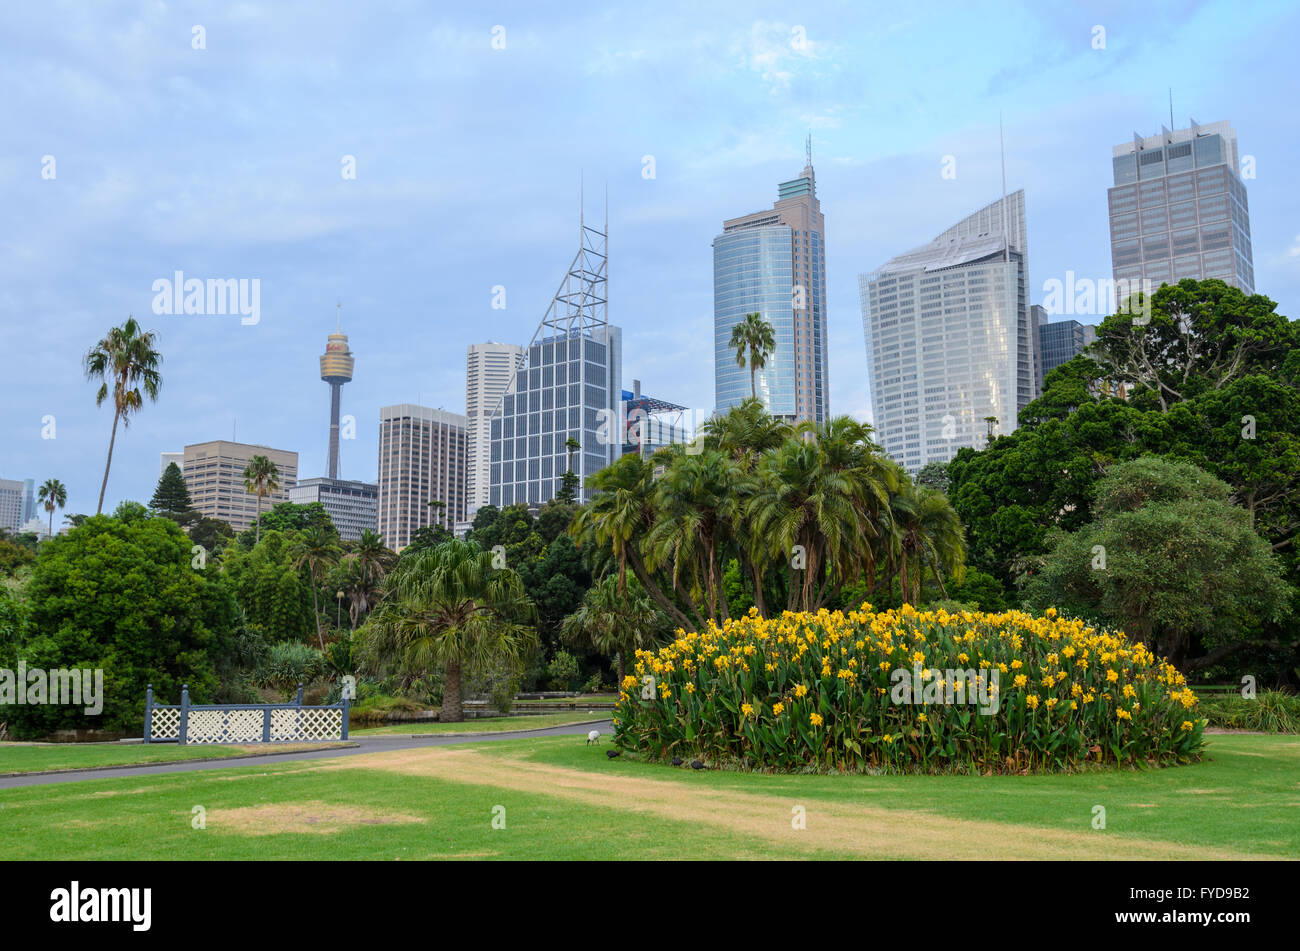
214, 476
29, 499
12, 504
353, 507
773, 263
1061, 341
489, 370
1178, 209
570, 387
421, 461
950, 340
650, 424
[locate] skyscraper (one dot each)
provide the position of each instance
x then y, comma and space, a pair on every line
1178, 208
950, 340
489, 369
12, 504
1061, 341
569, 388
214, 476
421, 470
336, 366
774, 263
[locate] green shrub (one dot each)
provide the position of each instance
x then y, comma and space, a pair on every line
289, 664
563, 671
1272, 711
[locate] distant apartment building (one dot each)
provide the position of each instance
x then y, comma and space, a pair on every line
167, 458
214, 476
773, 263
1178, 208
489, 370
353, 507
1061, 341
950, 339
422, 460
12, 504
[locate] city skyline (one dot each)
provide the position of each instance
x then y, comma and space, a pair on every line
288, 218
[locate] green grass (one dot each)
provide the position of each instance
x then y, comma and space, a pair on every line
21, 758
579, 701
482, 724
1243, 799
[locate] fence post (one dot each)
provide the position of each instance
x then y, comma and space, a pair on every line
185, 713
266, 724
347, 705
297, 716
148, 712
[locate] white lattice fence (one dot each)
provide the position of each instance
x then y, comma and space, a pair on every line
165, 724
237, 723
307, 723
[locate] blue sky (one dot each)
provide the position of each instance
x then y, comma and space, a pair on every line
224, 162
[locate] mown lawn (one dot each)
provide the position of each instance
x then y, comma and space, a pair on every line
483, 724
35, 758
559, 799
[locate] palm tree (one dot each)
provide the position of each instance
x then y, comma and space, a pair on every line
618, 518
127, 359
746, 432
316, 551
362, 573
53, 494
755, 336
262, 477
930, 536
449, 607
614, 621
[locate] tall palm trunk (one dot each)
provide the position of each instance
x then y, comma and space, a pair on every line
103, 486
753, 382
315, 603
50, 509
258, 536
453, 709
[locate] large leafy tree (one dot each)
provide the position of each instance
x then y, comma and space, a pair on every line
126, 363
270, 588
52, 495
754, 341
1169, 558
121, 596
1213, 379
171, 497
449, 608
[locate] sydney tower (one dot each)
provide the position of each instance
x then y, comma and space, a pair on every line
336, 369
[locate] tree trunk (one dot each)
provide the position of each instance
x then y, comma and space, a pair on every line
258, 537
453, 710
753, 380
51, 522
621, 670
315, 603
103, 485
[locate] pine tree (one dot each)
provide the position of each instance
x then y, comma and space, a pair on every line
171, 497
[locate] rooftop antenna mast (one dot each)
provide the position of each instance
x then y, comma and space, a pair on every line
1171, 107
809, 147
1002, 147
338, 323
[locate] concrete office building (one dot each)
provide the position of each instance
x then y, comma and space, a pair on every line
12, 504
570, 387
353, 507
774, 263
422, 459
167, 458
489, 370
214, 476
1178, 208
950, 340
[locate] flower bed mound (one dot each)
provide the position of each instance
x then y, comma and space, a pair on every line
908, 691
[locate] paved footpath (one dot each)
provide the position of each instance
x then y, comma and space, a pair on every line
365, 744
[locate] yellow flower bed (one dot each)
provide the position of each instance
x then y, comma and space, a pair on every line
904, 691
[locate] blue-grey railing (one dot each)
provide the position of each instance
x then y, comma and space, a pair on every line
188, 723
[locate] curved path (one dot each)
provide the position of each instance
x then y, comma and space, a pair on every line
364, 744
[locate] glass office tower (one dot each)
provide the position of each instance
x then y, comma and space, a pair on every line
570, 387
950, 340
1178, 208
774, 263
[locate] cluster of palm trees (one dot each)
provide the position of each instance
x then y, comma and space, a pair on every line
357, 575
804, 511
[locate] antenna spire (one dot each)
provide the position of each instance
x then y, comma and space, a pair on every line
1002, 148
1171, 107
809, 148
338, 323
